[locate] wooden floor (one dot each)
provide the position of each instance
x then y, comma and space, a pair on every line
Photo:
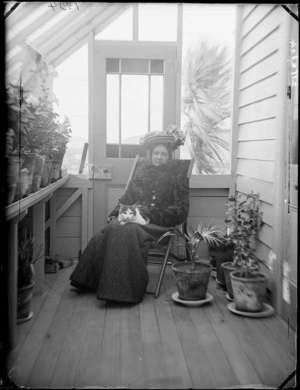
75, 340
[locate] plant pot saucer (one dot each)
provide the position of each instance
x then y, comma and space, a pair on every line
267, 311
24, 319
229, 297
208, 298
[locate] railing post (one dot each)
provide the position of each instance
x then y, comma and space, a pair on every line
38, 227
53, 223
13, 275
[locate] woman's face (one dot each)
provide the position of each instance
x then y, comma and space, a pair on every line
160, 155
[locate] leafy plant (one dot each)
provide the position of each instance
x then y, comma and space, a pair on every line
208, 234
244, 220
36, 125
25, 257
207, 104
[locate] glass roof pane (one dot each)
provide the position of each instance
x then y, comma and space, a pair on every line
112, 65
157, 22
47, 26
37, 12
120, 29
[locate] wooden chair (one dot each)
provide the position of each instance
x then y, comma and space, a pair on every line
162, 251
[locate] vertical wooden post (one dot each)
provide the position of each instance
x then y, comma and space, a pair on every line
13, 275
91, 78
38, 220
135, 20
84, 218
53, 224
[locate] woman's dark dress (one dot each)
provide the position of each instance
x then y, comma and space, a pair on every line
114, 262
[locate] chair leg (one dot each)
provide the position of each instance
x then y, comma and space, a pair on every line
163, 268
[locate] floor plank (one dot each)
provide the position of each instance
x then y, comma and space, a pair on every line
177, 374
242, 367
37, 335
58, 329
271, 373
132, 372
90, 356
64, 375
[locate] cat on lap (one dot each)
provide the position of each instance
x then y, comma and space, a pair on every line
132, 214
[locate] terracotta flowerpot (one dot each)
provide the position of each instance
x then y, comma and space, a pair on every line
37, 173
24, 312
55, 170
192, 284
14, 165
46, 172
218, 256
227, 269
22, 185
29, 163
249, 292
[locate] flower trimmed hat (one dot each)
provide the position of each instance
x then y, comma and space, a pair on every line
172, 137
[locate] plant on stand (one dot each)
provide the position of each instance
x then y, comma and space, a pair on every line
192, 276
248, 284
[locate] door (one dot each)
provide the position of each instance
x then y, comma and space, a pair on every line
134, 92
289, 280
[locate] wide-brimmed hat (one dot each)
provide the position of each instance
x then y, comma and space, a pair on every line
172, 137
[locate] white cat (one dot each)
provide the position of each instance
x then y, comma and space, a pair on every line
131, 214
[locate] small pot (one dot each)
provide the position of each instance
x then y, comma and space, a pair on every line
55, 170
220, 255
29, 163
227, 269
37, 173
24, 302
249, 292
46, 172
192, 284
14, 165
23, 184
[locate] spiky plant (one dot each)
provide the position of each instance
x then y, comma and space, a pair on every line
207, 104
209, 234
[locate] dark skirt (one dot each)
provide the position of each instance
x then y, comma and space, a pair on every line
113, 263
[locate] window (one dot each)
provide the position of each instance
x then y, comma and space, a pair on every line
71, 89
207, 84
134, 103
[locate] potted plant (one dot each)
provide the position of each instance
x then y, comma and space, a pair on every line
248, 283
25, 274
192, 276
58, 147
18, 117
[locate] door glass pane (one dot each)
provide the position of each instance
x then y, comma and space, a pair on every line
134, 66
157, 66
156, 103
134, 111
112, 65
157, 22
112, 109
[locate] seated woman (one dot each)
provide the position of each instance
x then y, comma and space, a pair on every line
114, 262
